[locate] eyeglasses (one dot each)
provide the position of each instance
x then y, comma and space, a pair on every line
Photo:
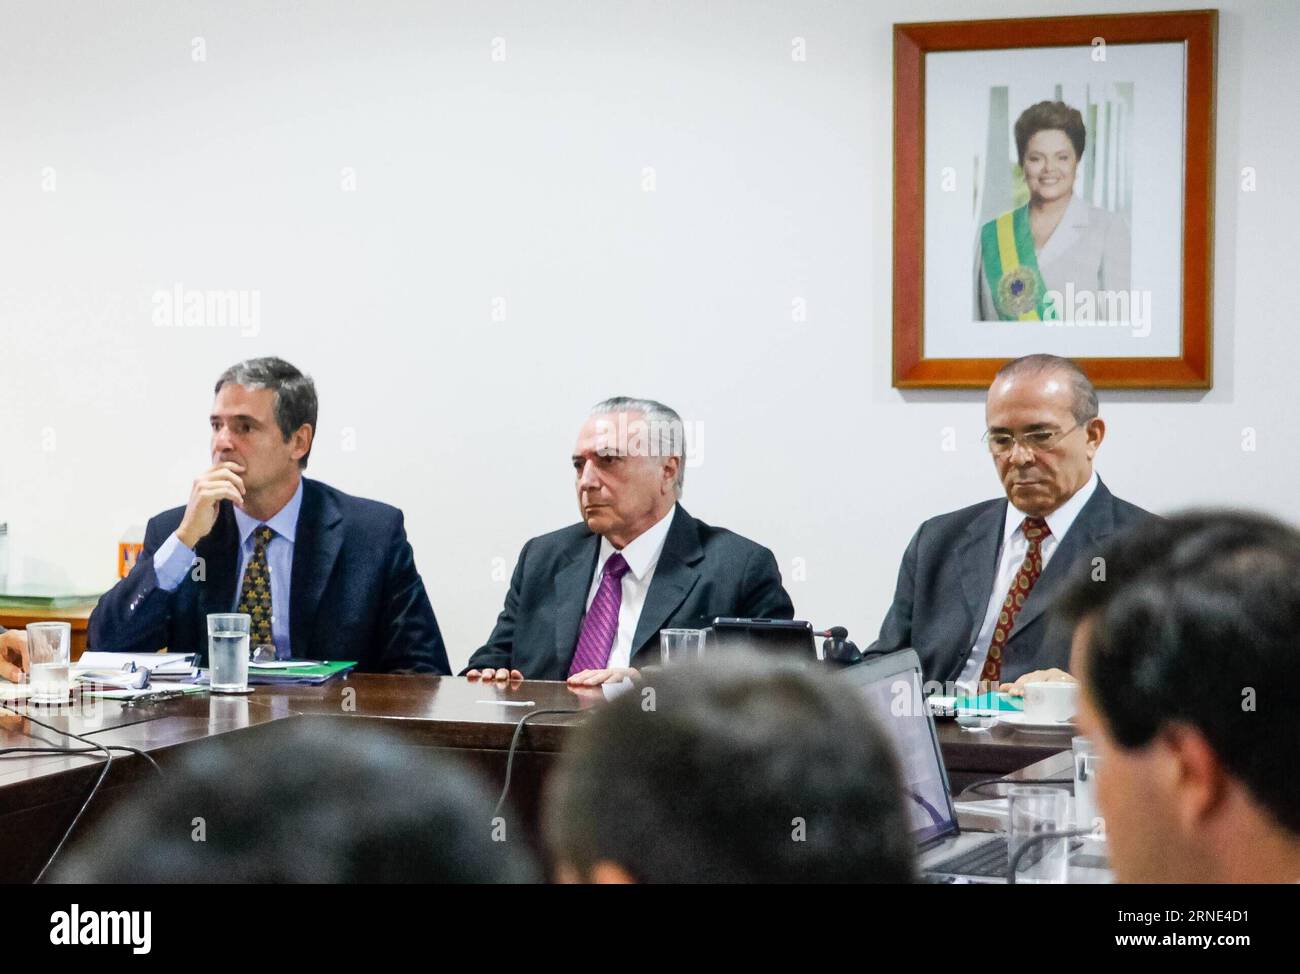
1035, 441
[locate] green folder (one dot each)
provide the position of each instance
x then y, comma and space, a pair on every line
999, 702
309, 673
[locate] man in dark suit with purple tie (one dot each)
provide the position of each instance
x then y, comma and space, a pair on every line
587, 602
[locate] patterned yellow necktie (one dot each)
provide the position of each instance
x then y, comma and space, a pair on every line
255, 593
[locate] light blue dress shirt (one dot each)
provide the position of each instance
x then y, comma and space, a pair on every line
172, 561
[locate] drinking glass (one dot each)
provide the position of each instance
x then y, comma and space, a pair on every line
228, 634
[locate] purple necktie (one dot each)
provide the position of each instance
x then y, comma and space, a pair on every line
601, 622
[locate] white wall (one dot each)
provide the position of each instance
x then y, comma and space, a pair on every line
522, 179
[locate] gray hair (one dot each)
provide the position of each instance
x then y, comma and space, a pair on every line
1083, 403
295, 393
666, 433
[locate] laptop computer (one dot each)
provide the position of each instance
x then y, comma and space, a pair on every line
892, 688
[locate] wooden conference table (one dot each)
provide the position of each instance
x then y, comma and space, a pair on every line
40, 794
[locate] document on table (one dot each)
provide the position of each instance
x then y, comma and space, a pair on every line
161, 666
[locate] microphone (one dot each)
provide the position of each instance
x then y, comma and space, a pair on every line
838, 649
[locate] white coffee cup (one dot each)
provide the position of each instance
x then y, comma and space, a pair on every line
1050, 702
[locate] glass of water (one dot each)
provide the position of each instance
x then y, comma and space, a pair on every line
680, 645
228, 651
1086, 763
48, 644
1032, 813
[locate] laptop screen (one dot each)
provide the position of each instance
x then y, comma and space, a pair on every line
892, 690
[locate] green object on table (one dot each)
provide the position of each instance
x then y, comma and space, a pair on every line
309, 672
999, 702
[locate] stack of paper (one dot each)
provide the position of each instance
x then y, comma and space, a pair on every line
169, 667
118, 679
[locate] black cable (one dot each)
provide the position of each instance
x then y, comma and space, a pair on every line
514, 743
108, 763
1038, 839
82, 750
985, 782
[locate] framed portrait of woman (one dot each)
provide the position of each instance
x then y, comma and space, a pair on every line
1053, 184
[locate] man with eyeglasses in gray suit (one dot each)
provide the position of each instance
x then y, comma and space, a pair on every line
974, 584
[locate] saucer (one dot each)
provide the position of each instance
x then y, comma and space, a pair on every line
1022, 722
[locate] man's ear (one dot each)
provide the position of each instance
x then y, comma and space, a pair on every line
606, 873
1194, 776
671, 466
302, 438
1096, 430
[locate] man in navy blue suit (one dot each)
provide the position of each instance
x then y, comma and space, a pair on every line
322, 574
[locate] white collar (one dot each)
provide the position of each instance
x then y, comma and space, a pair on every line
1060, 520
285, 522
642, 552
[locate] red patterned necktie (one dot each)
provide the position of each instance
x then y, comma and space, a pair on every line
255, 593
601, 622
1035, 529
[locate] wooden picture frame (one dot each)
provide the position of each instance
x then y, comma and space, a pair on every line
914, 186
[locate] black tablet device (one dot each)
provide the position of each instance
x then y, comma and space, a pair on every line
781, 637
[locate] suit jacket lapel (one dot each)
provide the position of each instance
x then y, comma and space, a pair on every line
220, 554
317, 542
572, 583
979, 563
1096, 520
1074, 223
675, 575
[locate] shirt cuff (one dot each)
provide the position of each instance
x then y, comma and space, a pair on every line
171, 563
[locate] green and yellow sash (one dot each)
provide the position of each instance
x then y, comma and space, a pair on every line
1011, 267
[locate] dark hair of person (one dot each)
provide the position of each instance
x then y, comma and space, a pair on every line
735, 770
295, 394
1050, 115
321, 800
1194, 620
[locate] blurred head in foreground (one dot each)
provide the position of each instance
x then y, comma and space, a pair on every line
313, 803
1187, 642
734, 770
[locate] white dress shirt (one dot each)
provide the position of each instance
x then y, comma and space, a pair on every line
642, 555
1013, 550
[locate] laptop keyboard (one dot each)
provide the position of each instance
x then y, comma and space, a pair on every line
986, 859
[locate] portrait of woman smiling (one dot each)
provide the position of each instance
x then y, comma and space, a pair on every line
1056, 242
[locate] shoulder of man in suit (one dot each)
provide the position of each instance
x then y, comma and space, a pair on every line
718, 540
962, 516
350, 505
560, 538
166, 522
